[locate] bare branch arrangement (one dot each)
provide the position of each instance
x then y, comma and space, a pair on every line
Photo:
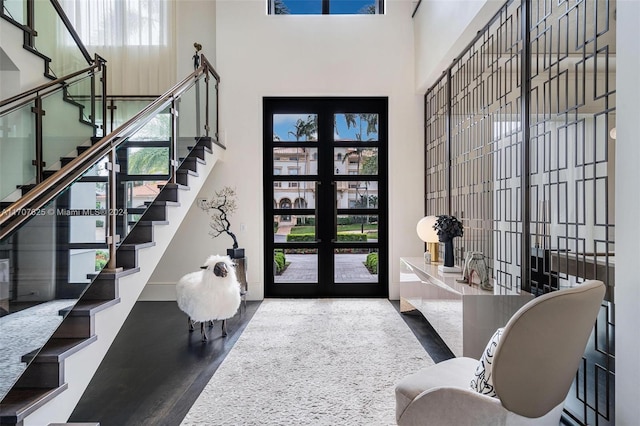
220, 207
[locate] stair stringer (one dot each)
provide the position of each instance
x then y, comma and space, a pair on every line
81, 366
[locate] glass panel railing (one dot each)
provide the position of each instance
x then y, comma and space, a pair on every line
191, 119
79, 94
63, 129
17, 151
46, 265
55, 41
16, 10
50, 259
120, 110
213, 109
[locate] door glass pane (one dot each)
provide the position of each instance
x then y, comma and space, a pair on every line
299, 228
355, 161
355, 127
357, 195
295, 161
295, 127
295, 266
294, 194
355, 265
358, 228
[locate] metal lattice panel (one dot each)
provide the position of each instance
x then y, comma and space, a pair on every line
486, 146
435, 149
482, 151
572, 104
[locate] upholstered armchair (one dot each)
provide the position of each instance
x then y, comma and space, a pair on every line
535, 359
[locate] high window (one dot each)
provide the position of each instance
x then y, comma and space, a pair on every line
120, 22
325, 7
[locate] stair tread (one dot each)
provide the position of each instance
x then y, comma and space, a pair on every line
148, 222
193, 158
206, 148
136, 246
187, 171
162, 203
58, 348
90, 307
114, 275
177, 185
19, 403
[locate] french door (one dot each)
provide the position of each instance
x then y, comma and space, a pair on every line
325, 190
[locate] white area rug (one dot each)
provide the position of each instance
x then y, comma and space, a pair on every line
313, 362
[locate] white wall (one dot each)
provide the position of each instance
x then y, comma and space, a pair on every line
260, 55
196, 22
627, 296
442, 29
31, 67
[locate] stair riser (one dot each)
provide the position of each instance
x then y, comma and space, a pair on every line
207, 142
42, 376
190, 163
140, 234
182, 178
75, 327
168, 194
127, 259
198, 151
155, 213
101, 289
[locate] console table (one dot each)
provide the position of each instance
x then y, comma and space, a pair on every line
465, 316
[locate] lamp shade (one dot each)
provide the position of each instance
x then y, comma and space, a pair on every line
425, 229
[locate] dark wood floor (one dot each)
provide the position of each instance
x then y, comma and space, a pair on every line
155, 369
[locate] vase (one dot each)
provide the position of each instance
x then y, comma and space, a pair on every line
448, 252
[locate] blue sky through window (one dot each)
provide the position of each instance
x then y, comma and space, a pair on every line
314, 7
283, 124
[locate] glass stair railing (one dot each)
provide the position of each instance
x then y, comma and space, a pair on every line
72, 233
43, 126
48, 34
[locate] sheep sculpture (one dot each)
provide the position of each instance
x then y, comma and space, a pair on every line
210, 294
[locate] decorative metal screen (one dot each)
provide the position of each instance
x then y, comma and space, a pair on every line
435, 149
520, 149
571, 163
486, 146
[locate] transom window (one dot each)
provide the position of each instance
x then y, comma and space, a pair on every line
325, 7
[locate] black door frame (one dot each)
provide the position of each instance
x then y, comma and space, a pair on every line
325, 209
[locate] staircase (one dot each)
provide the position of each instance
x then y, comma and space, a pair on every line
58, 374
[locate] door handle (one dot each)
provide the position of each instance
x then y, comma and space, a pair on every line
335, 212
315, 219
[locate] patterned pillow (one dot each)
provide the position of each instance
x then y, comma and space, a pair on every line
482, 381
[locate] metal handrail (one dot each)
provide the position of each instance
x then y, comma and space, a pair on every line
45, 191
67, 23
59, 81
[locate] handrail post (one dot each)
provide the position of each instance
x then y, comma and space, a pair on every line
173, 158
206, 103
38, 161
103, 79
112, 237
92, 104
29, 36
217, 134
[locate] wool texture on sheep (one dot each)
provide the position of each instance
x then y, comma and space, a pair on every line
205, 296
